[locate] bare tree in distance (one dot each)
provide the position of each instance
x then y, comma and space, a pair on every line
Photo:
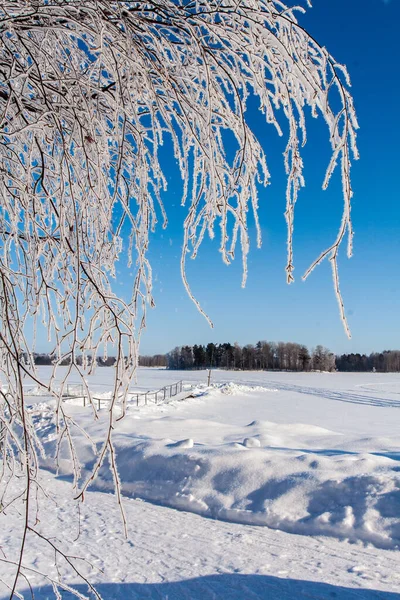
89, 91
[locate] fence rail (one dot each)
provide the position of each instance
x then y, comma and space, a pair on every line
168, 391
151, 396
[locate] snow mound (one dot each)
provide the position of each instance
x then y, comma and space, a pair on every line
348, 495
236, 388
356, 497
251, 443
182, 444
291, 428
40, 408
35, 391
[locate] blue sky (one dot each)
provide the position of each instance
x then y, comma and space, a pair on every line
362, 34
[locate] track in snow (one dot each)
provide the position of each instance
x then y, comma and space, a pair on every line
173, 555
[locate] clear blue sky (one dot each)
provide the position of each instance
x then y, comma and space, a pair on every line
363, 34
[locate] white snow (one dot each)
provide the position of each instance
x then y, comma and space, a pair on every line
313, 454
174, 555
251, 443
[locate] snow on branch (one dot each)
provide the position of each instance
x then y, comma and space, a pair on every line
89, 91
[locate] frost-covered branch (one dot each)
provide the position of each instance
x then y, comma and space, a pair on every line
89, 92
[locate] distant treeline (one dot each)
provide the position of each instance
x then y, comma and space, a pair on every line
278, 356
264, 355
382, 362
48, 359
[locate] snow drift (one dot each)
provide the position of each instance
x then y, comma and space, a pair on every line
294, 477
353, 496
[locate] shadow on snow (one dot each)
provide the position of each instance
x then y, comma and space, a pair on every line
225, 587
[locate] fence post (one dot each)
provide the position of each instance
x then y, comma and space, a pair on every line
155, 397
137, 399
99, 402
84, 400
165, 392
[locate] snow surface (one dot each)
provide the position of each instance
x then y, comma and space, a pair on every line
313, 454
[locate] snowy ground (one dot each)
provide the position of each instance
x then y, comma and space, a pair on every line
313, 454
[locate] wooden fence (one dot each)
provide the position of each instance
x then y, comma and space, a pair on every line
158, 396
140, 398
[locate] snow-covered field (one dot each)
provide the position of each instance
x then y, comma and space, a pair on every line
317, 455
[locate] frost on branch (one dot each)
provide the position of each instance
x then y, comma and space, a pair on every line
89, 90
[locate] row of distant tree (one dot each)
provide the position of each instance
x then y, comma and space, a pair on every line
48, 359
264, 355
272, 356
384, 362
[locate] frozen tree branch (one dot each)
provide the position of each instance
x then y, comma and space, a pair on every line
89, 91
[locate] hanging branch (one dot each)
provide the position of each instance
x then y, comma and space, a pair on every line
89, 91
